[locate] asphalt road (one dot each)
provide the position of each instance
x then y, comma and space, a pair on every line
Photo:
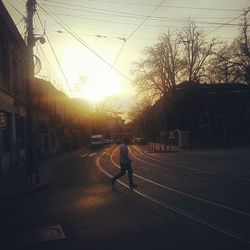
184, 200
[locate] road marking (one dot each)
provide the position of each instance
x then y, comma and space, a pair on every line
194, 169
105, 153
177, 210
39, 235
83, 155
185, 194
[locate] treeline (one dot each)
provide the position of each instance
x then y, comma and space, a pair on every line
188, 55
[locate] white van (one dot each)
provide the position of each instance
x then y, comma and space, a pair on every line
97, 141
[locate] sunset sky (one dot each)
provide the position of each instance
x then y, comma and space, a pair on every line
88, 36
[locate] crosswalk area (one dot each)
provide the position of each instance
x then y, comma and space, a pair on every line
92, 154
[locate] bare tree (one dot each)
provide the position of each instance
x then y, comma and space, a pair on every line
221, 67
196, 51
242, 54
140, 117
156, 73
232, 63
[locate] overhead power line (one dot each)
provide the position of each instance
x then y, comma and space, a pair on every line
97, 10
152, 5
48, 66
121, 14
138, 27
54, 53
147, 17
20, 3
93, 35
15, 8
125, 40
227, 23
171, 20
83, 43
137, 16
57, 60
20, 21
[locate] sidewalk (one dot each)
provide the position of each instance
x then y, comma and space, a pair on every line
12, 183
163, 148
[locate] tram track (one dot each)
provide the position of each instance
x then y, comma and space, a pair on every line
183, 167
184, 193
153, 197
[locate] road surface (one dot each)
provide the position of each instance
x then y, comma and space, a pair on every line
184, 200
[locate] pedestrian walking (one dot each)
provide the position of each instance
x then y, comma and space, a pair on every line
125, 163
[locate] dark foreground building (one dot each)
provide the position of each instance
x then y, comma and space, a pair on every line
13, 85
214, 115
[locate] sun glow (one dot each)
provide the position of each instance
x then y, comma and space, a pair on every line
97, 87
92, 80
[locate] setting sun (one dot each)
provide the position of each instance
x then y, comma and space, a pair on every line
93, 81
98, 87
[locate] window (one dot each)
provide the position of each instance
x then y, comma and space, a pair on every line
5, 132
20, 131
15, 77
6, 69
1, 62
22, 86
53, 141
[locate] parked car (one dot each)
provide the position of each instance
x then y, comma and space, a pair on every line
97, 141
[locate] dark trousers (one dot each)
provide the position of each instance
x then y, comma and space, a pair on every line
125, 167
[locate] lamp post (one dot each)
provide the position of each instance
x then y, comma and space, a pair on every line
32, 175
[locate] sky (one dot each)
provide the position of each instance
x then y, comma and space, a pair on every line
91, 45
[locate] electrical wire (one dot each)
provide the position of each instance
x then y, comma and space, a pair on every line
15, 8
21, 4
125, 40
107, 36
154, 5
91, 35
227, 23
47, 64
119, 13
151, 18
57, 60
20, 21
142, 23
69, 31
138, 27
116, 58
98, 11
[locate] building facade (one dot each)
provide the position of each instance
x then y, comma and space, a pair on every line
216, 115
13, 79
61, 123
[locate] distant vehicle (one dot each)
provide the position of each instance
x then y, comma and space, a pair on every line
108, 141
97, 141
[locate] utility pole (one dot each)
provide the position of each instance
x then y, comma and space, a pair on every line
32, 175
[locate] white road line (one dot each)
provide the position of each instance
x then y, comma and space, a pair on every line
195, 169
186, 194
107, 151
83, 155
177, 210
